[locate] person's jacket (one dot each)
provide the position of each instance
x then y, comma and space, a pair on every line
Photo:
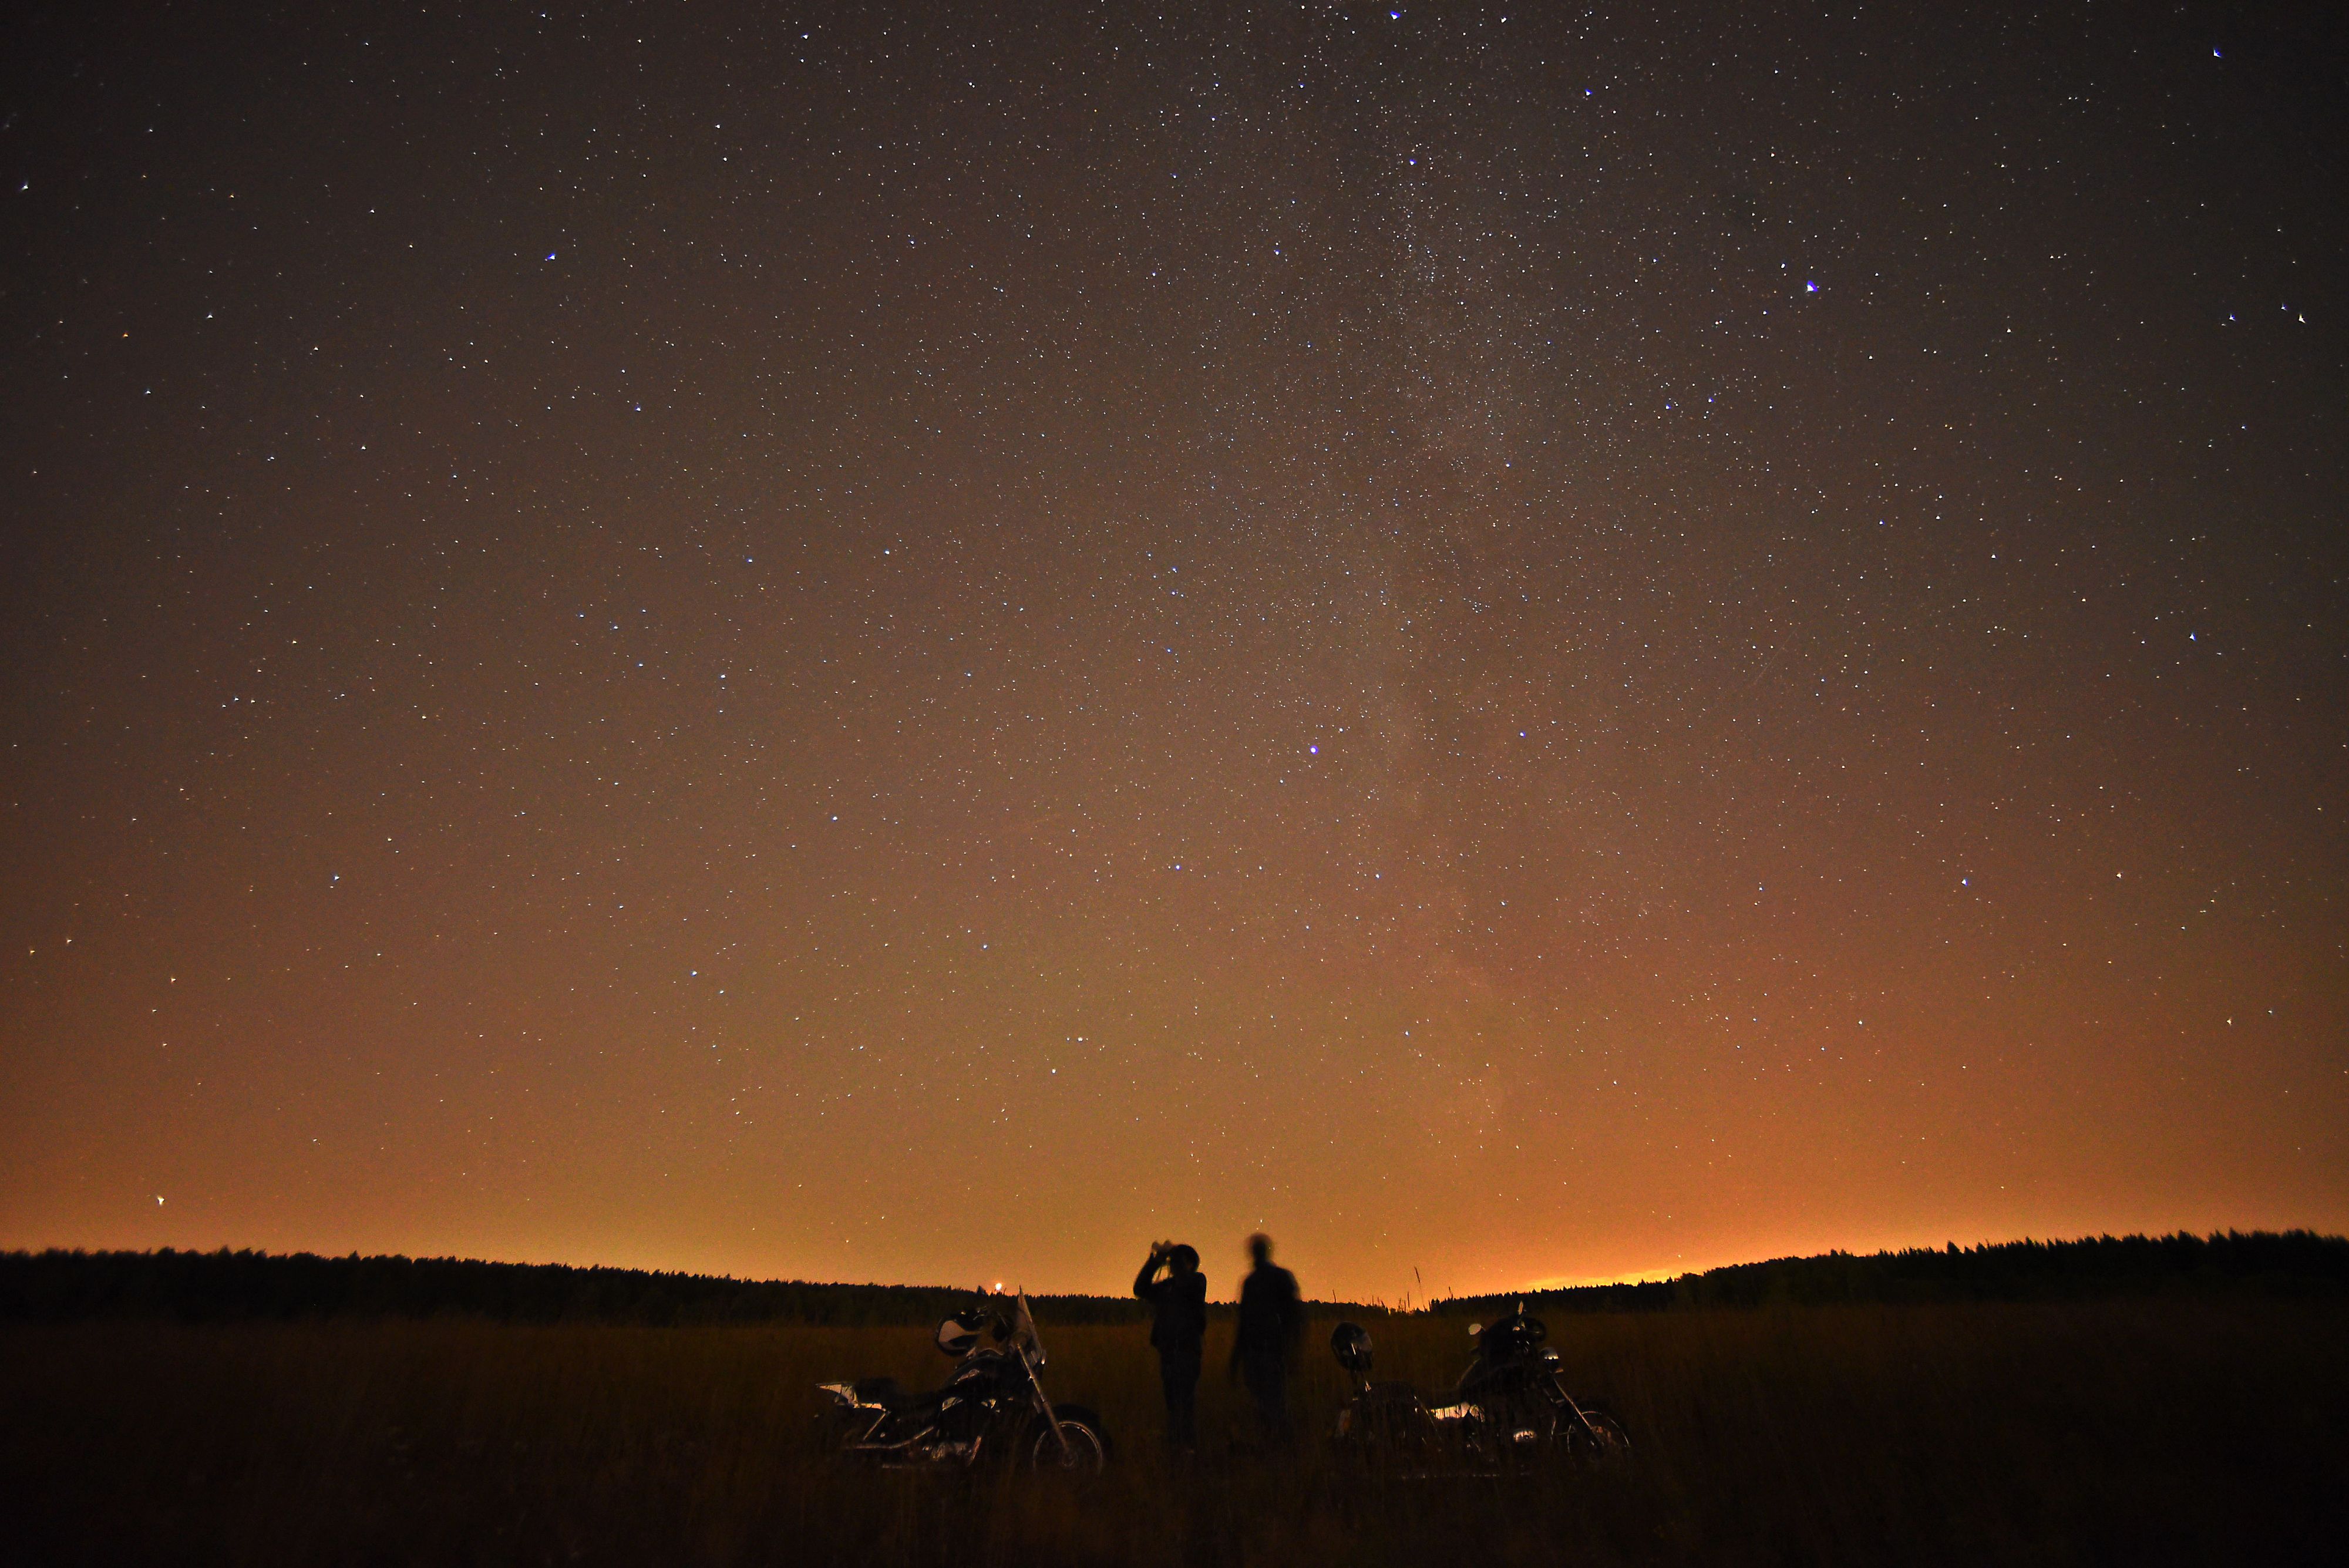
1272, 1318
1178, 1306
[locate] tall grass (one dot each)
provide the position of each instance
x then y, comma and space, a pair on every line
2203, 1431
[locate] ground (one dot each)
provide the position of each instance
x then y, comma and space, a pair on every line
2188, 1431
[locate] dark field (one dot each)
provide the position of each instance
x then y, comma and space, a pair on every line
2116, 1431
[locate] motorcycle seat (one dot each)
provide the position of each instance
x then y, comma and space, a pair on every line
1396, 1392
883, 1392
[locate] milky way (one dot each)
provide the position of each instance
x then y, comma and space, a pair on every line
873, 645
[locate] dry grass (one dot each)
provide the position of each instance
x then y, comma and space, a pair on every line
2202, 1431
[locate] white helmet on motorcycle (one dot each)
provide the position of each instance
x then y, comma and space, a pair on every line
958, 1336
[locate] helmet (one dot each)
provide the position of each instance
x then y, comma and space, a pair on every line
1351, 1344
958, 1336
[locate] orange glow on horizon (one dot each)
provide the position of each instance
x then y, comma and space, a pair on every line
924, 655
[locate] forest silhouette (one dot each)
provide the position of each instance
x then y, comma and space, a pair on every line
58, 1287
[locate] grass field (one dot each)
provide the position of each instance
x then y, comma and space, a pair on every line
2113, 1432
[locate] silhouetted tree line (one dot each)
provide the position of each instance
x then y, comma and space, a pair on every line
224, 1286
2288, 1263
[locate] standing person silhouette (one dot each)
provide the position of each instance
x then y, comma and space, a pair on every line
1178, 1321
1272, 1325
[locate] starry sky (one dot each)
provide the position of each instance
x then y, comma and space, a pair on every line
851, 644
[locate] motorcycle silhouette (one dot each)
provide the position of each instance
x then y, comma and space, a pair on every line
1509, 1409
992, 1409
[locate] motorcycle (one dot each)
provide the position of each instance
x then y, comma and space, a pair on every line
992, 1407
1509, 1409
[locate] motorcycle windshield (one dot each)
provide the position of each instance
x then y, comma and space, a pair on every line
1023, 1333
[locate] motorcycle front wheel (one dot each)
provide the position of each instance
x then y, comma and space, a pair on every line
1086, 1440
1599, 1440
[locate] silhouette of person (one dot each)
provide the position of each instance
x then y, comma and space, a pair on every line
1271, 1327
1178, 1321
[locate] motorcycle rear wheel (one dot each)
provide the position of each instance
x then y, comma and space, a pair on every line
1387, 1432
838, 1431
1087, 1453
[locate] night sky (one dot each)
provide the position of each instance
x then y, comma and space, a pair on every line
925, 647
